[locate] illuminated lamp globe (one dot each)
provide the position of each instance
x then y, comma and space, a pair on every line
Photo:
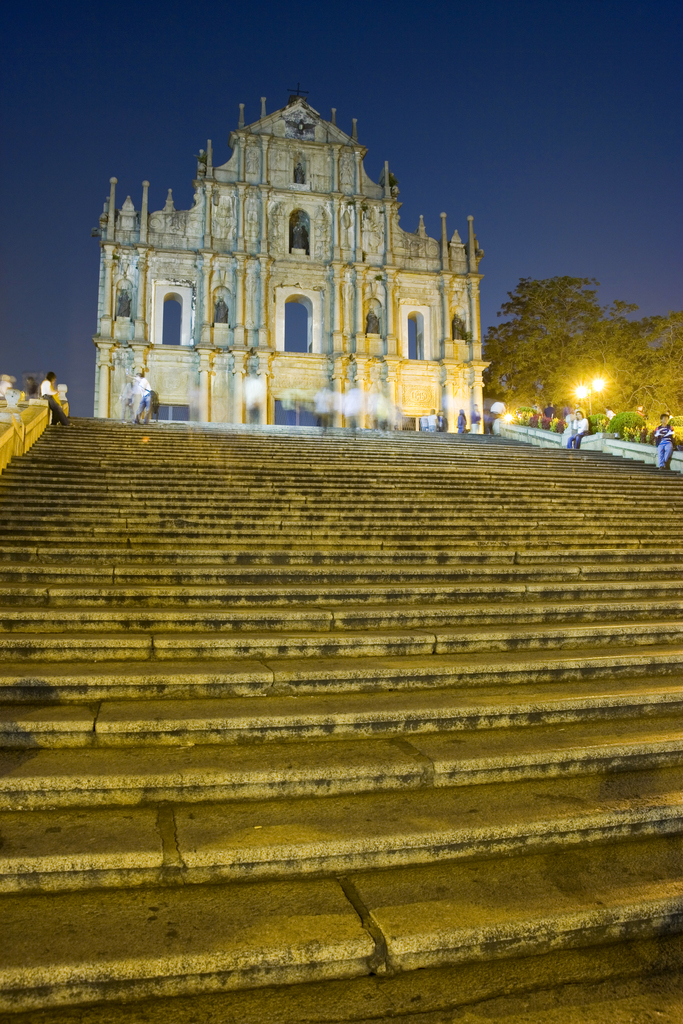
581, 391
599, 384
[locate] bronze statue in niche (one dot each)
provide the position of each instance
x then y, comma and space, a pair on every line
123, 305
457, 328
299, 174
299, 228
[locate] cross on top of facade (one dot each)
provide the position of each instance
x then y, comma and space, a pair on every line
298, 91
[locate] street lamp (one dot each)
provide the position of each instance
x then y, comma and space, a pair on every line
582, 392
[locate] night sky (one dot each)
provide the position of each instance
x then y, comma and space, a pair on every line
557, 124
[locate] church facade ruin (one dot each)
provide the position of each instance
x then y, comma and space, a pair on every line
291, 218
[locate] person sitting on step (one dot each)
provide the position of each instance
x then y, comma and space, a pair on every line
48, 390
579, 427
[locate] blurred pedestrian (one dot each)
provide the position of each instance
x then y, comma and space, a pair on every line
6, 383
353, 407
664, 439
475, 420
462, 422
254, 390
324, 407
128, 401
143, 395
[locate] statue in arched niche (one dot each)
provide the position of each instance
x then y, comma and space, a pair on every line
124, 304
220, 312
299, 173
458, 328
372, 325
299, 230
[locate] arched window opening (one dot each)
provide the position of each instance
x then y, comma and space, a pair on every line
373, 320
415, 336
173, 314
298, 326
299, 233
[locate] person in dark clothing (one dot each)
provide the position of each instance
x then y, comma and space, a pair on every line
664, 439
549, 411
49, 391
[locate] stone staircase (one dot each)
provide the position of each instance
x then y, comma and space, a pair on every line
302, 727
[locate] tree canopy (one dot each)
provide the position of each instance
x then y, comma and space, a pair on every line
556, 336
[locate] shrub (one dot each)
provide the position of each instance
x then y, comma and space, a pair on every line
676, 421
559, 426
545, 422
626, 419
598, 422
533, 420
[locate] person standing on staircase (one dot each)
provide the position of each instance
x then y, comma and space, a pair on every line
49, 391
664, 439
143, 392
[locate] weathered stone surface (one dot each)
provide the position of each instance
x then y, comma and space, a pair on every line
346, 705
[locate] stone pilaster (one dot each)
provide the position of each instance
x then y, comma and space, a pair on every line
239, 301
141, 298
263, 334
111, 216
106, 320
237, 410
144, 213
104, 370
206, 311
206, 357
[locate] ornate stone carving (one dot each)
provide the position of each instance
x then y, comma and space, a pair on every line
346, 173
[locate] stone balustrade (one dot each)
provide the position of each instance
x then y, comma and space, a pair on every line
20, 426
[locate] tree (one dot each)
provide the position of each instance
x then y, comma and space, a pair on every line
558, 336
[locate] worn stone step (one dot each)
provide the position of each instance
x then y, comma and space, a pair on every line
354, 713
323, 616
70, 681
176, 844
195, 939
129, 775
618, 595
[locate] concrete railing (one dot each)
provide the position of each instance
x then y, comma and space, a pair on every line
610, 444
20, 428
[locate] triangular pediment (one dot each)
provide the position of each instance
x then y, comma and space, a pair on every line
299, 121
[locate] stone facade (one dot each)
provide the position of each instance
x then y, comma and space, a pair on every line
292, 216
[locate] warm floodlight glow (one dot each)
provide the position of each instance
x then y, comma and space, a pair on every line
508, 417
581, 391
598, 384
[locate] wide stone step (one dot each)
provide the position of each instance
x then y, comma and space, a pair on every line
163, 644
195, 939
176, 844
348, 714
70, 681
118, 775
322, 616
629, 576
526, 596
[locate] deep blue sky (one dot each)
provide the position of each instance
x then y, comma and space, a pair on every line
557, 124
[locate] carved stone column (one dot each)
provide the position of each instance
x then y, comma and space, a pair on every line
208, 193
106, 320
359, 326
237, 411
141, 302
144, 214
206, 311
239, 301
104, 369
263, 339
390, 284
336, 226
206, 356
239, 209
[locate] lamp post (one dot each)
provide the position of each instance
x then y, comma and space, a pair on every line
582, 392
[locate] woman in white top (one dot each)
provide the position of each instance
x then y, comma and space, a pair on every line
579, 427
50, 392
